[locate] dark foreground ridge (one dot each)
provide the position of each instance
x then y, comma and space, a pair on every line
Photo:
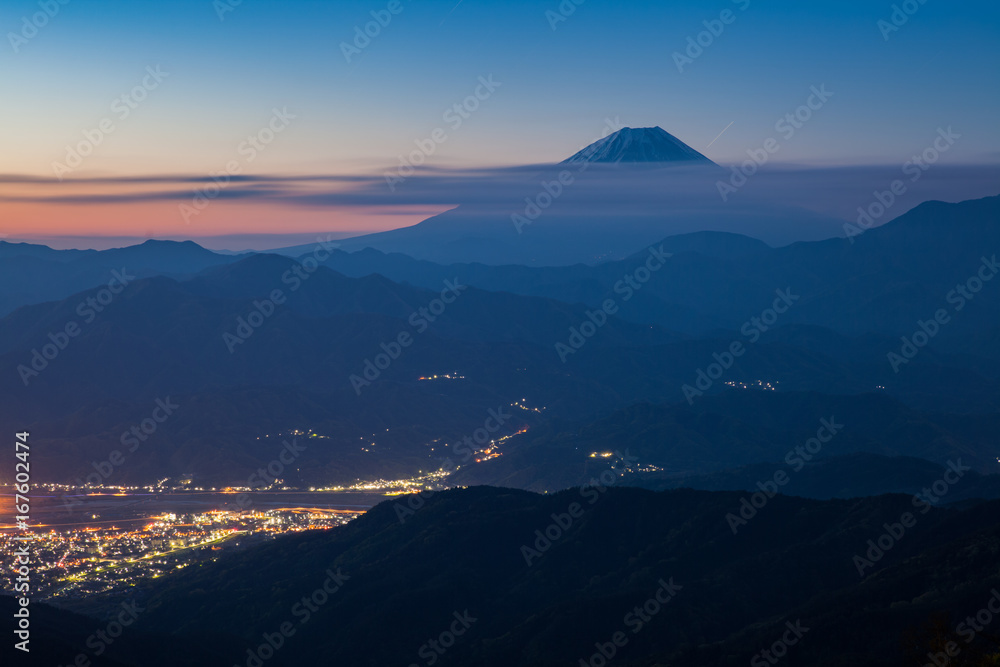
648, 578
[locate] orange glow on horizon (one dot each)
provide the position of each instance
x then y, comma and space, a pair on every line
162, 219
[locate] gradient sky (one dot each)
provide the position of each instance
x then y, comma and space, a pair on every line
606, 60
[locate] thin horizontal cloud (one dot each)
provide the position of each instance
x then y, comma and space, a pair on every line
836, 191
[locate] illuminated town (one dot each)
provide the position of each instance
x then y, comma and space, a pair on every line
94, 540
101, 556
88, 539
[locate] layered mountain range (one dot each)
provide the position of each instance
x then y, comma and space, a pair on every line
564, 350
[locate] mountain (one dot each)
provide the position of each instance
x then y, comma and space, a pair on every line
882, 281
301, 366
35, 273
294, 369
642, 144
848, 476
396, 580
10, 250
60, 637
623, 387
606, 202
172, 258
720, 441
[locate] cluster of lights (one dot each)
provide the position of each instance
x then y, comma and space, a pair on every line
447, 376
89, 559
522, 404
765, 385
391, 487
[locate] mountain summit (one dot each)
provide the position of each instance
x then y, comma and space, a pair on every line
640, 144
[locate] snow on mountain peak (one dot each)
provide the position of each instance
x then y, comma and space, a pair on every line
641, 144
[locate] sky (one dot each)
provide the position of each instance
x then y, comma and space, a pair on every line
119, 117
